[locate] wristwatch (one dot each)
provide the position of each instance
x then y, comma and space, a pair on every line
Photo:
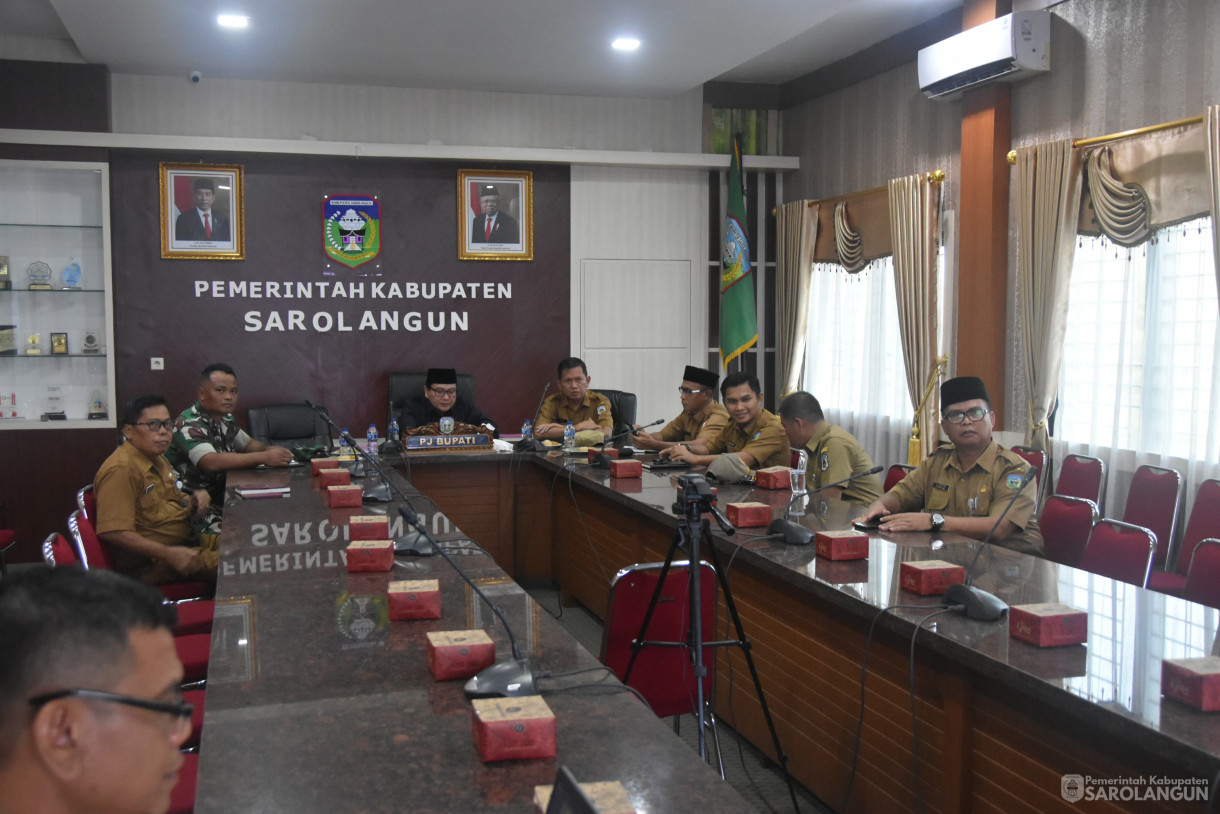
938, 521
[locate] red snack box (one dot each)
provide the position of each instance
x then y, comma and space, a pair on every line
319, 464
748, 515
340, 496
930, 577
370, 555
368, 527
334, 477
842, 545
773, 477
413, 598
608, 797
459, 653
513, 728
595, 451
627, 469
1193, 681
1048, 624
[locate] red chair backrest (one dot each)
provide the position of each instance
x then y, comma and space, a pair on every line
56, 550
1204, 522
1035, 458
93, 551
86, 501
895, 473
1152, 502
1119, 551
1066, 523
1203, 577
1082, 476
663, 675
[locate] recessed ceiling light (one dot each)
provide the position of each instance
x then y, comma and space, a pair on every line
233, 20
625, 44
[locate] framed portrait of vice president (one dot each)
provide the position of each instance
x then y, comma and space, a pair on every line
202, 212
495, 215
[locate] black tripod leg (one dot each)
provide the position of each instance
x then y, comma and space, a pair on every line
636, 645
744, 644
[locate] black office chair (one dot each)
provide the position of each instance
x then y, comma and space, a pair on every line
622, 408
403, 386
287, 425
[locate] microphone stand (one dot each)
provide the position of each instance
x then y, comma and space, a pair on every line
795, 533
533, 444
410, 543
976, 603
602, 460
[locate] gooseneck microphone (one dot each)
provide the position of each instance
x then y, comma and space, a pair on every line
602, 460
976, 603
533, 444
795, 533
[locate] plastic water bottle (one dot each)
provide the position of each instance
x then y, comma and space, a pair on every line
527, 429
393, 433
569, 438
371, 441
344, 450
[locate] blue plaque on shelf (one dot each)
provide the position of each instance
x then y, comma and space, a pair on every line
71, 275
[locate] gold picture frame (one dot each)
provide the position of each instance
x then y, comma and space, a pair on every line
59, 344
510, 235
196, 226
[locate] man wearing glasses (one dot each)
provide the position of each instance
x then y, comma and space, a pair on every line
141, 511
91, 718
440, 398
702, 418
964, 488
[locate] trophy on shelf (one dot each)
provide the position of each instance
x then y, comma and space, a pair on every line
8, 345
59, 344
33, 344
40, 276
8, 404
90, 346
71, 275
55, 405
5, 282
97, 406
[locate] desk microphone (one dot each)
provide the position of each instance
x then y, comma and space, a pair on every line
603, 460
533, 444
795, 533
504, 678
975, 602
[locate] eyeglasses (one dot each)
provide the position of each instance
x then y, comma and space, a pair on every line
181, 711
156, 425
686, 391
960, 416
448, 392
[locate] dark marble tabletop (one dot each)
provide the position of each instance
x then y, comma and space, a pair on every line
317, 703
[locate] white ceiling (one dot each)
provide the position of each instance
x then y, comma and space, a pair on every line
529, 46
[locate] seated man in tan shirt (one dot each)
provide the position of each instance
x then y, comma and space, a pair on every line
702, 417
754, 436
141, 511
588, 411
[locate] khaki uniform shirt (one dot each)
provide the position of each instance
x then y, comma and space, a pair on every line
835, 454
703, 426
763, 438
595, 407
938, 484
141, 495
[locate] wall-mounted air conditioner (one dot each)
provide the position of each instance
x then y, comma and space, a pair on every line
1005, 49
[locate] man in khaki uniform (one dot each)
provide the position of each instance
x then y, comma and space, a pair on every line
702, 418
964, 488
835, 454
140, 509
588, 411
754, 436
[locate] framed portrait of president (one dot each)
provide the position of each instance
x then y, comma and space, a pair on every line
495, 215
202, 212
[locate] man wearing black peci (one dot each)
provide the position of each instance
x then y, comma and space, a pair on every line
702, 417
439, 399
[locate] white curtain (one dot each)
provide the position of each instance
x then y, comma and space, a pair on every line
1212, 123
915, 230
796, 231
1048, 201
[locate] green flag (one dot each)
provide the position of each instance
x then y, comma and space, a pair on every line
738, 320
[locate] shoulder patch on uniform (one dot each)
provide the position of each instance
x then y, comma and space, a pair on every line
1014, 480
601, 408
943, 487
756, 436
824, 461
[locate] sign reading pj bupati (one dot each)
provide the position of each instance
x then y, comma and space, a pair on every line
351, 229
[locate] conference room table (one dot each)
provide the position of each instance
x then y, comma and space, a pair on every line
1002, 725
316, 702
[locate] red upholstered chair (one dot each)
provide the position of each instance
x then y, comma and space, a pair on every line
1152, 502
182, 798
663, 675
1034, 457
1119, 551
1066, 523
1204, 523
56, 550
1203, 577
7, 540
895, 473
86, 501
1082, 476
193, 650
